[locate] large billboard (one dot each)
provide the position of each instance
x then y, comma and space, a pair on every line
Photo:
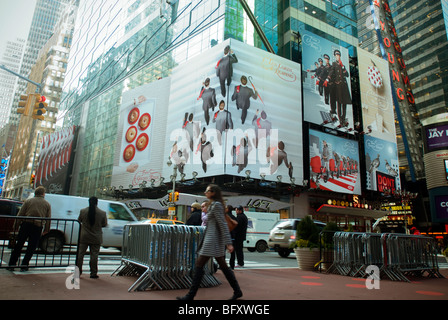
326, 84
376, 96
334, 163
381, 164
380, 141
55, 163
141, 135
236, 108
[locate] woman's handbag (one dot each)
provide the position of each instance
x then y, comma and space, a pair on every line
231, 223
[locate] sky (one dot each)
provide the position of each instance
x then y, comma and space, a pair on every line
15, 20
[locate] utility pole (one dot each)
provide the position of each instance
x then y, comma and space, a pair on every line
38, 85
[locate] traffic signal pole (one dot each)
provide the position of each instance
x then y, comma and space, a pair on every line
38, 85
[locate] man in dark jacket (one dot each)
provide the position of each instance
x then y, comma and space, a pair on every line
240, 237
196, 215
31, 229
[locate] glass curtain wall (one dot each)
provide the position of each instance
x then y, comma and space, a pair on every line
149, 50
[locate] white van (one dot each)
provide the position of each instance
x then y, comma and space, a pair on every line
259, 225
69, 207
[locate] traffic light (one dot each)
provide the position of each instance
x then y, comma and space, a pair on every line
170, 197
25, 105
176, 196
39, 107
33, 176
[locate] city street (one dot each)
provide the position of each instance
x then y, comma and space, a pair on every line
110, 260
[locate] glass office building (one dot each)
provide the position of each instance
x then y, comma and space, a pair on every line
120, 45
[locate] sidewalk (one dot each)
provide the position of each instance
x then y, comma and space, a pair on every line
257, 285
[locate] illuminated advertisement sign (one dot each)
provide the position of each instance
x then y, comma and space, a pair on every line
385, 182
376, 96
55, 161
326, 84
382, 157
402, 93
334, 163
236, 110
436, 137
441, 204
3, 171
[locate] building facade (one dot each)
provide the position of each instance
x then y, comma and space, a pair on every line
12, 58
46, 15
139, 44
49, 71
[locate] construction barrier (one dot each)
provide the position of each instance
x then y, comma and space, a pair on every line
162, 256
397, 256
57, 248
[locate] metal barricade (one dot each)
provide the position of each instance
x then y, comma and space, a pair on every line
162, 256
57, 248
396, 255
407, 255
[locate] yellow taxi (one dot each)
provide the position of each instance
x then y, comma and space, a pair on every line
162, 221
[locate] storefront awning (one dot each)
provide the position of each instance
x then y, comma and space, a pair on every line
350, 211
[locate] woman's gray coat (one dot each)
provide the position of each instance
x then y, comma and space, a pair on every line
217, 234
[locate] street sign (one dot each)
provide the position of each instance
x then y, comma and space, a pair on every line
172, 211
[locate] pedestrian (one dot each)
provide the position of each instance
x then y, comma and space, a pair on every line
92, 220
228, 211
216, 239
204, 206
196, 215
240, 237
30, 229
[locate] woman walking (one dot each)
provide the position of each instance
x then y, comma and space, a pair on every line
216, 239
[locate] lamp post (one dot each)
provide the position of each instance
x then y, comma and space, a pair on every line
172, 204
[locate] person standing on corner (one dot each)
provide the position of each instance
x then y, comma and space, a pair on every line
216, 239
240, 237
30, 229
92, 220
195, 217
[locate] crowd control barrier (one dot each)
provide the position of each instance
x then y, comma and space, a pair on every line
57, 248
162, 256
397, 256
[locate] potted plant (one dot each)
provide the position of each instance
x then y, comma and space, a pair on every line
327, 244
306, 246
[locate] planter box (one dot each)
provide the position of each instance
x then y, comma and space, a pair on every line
307, 258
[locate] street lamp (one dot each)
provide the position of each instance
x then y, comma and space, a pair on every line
172, 204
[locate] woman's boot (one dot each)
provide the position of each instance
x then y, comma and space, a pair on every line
230, 276
197, 278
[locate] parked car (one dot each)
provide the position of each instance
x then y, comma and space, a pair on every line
8, 208
283, 235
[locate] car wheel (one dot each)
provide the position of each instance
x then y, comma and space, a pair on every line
284, 253
52, 243
261, 246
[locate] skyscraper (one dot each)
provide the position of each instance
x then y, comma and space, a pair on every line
46, 15
11, 59
422, 29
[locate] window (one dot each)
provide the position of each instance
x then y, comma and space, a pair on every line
118, 212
